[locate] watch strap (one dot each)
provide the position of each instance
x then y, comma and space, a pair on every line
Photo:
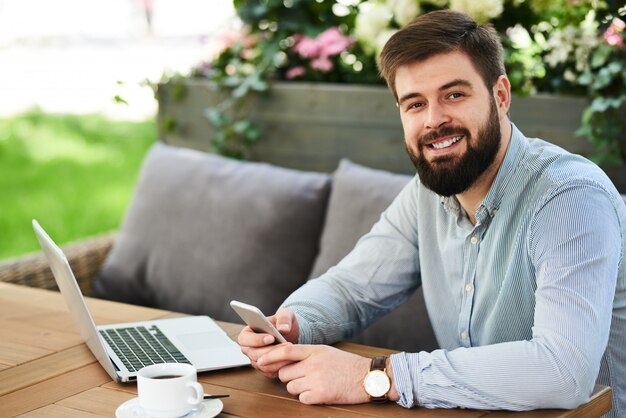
379, 363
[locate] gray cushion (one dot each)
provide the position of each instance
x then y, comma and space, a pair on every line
203, 230
358, 197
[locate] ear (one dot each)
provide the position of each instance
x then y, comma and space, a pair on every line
502, 94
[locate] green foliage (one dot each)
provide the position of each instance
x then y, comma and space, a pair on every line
168, 124
285, 17
604, 121
236, 74
523, 65
555, 46
246, 67
75, 174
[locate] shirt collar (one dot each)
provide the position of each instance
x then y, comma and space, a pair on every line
490, 204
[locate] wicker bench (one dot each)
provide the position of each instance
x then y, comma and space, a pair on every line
85, 256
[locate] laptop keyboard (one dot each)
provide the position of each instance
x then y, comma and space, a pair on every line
140, 346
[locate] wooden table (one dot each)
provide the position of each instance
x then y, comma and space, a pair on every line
47, 371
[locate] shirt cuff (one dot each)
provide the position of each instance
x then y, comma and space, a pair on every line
402, 364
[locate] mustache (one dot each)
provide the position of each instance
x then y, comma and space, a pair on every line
445, 131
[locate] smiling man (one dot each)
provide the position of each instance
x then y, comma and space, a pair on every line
518, 245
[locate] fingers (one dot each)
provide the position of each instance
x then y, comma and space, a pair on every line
254, 353
321, 374
301, 389
296, 386
285, 352
271, 364
257, 346
249, 338
284, 319
287, 324
272, 370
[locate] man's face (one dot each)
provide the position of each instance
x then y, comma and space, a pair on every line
451, 121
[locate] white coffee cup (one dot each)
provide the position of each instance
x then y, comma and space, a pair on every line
168, 389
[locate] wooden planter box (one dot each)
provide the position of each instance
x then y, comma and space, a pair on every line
311, 126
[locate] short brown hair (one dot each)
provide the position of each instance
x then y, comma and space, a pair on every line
441, 32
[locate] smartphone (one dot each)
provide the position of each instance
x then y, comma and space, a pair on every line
256, 320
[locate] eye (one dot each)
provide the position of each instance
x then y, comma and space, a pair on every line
415, 106
455, 95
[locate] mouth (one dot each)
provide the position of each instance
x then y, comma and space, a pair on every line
444, 143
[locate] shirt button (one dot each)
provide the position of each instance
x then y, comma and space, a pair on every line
468, 287
464, 335
474, 240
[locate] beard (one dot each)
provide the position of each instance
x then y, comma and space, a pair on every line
451, 175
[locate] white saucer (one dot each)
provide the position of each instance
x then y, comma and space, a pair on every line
207, 409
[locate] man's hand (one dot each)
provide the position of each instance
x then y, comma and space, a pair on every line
318, 374
254, 345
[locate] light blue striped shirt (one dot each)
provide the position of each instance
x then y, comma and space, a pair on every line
528, 305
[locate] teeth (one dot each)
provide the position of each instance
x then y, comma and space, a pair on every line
446, 144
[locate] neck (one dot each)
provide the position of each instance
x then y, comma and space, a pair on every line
472, 198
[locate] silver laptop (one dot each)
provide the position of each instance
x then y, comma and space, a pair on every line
122, 349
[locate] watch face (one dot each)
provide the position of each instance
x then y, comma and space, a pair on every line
377, 383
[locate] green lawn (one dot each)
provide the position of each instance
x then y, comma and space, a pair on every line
74, 174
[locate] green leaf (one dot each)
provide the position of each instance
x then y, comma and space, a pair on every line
215, 117
599, 105
252, 135
603, 79
169, 124
257, 84
179, 91
586, 79
241, 90
614, 67
600, 56
242, 126
119, 99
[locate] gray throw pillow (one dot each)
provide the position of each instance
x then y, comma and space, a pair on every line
203, 229
358, 197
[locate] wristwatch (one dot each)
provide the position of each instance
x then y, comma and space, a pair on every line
377, 383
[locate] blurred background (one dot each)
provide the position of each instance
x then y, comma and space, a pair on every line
77, 112
77, 87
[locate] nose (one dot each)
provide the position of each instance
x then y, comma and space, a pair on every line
436, 116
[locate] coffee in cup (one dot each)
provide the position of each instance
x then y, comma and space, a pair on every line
168, 389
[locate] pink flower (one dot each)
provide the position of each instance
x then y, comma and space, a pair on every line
612, 38
295, 72
323, 64
613, 35
307, 47
333, 42
327, 44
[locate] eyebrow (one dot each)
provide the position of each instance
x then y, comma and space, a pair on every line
454, 83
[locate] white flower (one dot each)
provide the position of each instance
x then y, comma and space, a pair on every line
480, 10
382, 39
373, 18
573, 44
520, 38
569, 75
404, 10
560, 44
